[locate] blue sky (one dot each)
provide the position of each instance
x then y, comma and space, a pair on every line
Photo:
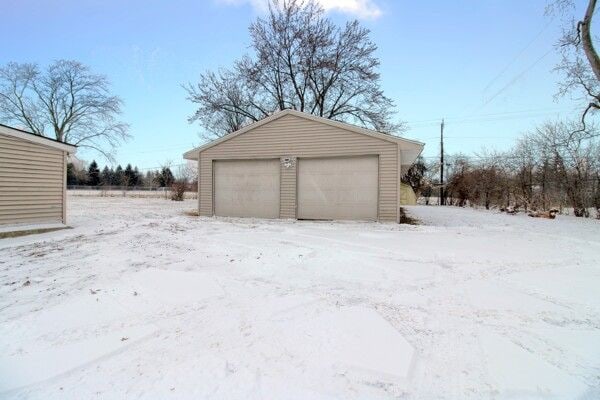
486, 66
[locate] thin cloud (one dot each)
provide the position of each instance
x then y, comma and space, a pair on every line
359, 8
366, 9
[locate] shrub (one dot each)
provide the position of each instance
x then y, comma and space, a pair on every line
178, 189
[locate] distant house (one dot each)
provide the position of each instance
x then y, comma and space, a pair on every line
296, 165
407, 195
32, 179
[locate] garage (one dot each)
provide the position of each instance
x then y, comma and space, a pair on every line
294, 165
338, 188
247, 188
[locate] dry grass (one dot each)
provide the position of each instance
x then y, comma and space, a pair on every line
405, 219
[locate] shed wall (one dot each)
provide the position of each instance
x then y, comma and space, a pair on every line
32, 179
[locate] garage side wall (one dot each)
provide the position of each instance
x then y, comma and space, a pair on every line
295, 138
32, 179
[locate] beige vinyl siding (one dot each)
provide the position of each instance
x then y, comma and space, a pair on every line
32, 179
293, 136
287, 202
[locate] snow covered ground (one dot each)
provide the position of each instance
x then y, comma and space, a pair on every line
140, 300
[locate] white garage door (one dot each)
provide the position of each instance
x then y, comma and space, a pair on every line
247, 188
338, 188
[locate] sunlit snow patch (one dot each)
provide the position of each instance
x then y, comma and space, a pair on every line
156, 289
88, 327
354, 341
37, 364
519, 373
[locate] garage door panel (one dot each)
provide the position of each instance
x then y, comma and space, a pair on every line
338, 188
247, 188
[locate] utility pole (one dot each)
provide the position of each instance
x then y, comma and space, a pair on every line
442, 198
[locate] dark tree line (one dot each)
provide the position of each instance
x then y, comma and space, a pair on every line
122, 177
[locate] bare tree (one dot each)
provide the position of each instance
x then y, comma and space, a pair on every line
416, 176
489, 179
186, 179
459, 184
224, 103
553, 166
574, 160
301, 60
596, 198
66, 101
524, 164
533, 178
580, 63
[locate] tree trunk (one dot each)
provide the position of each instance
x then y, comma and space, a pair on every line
586, 39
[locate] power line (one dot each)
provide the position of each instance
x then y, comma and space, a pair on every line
156, 150
497, 157
490, 117
465, 137
161, 166
519, 54
516, 78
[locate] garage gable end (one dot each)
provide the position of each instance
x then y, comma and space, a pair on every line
289, 134
305, 119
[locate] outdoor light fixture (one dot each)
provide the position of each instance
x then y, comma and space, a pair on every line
287, 162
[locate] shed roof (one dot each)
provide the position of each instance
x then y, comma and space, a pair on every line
412, 148
32, 137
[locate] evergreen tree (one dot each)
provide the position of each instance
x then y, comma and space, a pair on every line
150, 178
93, 175
129, 176
168, 177
106, 177
71, 175
165, 177
119, 176
137, 178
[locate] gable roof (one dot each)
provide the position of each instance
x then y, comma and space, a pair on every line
193, 154
32, 137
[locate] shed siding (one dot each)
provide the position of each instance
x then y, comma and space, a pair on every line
32, 179
292, 136
287, 202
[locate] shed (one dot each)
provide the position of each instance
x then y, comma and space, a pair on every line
33, 172
297, 165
